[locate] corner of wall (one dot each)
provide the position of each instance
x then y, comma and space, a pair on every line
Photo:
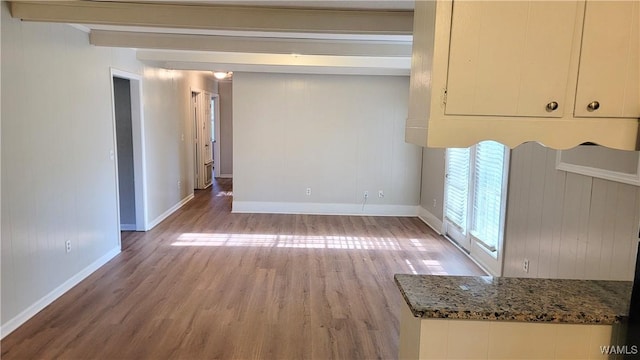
431, 220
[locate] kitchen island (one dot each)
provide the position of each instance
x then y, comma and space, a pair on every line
450, 317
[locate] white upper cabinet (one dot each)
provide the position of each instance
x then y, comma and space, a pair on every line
609, 75
514, 72
519, 71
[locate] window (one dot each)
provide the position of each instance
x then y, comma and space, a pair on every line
475, 198
458, 187
487, 193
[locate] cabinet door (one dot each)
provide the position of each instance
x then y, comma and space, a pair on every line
609, 60
509, 58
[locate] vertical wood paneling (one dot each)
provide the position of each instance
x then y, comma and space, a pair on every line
58, 181
568, 225
338, 135
534, 211
557, 215
571, 221
549, 196
596, 230
55, 117
583, 222
606, 250
623, 230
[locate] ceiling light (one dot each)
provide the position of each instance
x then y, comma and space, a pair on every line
221, 75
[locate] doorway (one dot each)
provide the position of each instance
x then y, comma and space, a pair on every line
124, 140
129, 150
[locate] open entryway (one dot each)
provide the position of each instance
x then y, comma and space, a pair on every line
475, 201
129, 154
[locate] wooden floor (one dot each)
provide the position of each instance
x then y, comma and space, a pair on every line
208, 284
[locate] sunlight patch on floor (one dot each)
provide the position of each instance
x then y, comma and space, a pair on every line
295, 241
410, 265
435, 268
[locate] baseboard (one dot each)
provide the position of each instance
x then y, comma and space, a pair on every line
35, 308
431, 220
468, 255
323, 209
128, 227
167, 213
225, 176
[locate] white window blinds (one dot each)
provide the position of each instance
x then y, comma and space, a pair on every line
457, 184
487, 197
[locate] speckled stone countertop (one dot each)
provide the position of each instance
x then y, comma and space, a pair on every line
516, 299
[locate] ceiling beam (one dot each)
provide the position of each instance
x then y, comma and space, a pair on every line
280, 63
217, 17
248, 44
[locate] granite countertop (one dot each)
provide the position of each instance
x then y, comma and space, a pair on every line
516, 299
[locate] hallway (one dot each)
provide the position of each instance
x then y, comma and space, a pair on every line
207, 283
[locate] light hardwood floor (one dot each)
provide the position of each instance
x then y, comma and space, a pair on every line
208, 284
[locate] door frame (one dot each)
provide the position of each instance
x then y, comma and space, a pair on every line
216, 146
137, 134
193, 113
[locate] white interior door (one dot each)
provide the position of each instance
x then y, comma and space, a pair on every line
206, 128
203, 153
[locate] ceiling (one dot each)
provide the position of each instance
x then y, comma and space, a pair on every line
303, 36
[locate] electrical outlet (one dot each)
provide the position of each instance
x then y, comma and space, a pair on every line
179, 184
380, 194
435, 203
525, 265
308, 191
67, 246
366, 194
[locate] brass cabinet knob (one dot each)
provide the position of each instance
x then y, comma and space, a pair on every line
552, 106
593, 106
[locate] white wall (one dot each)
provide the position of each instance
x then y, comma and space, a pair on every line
338, 135
432, 187
58, 180
568, 225
167, 131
